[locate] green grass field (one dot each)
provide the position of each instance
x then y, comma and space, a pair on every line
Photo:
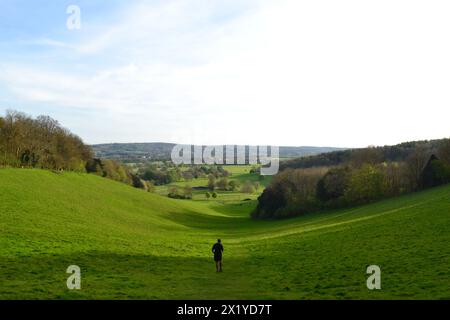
240, 173
135, 245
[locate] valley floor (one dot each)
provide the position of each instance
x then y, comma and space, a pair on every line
131, 244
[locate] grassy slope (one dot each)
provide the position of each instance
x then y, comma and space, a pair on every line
131, 244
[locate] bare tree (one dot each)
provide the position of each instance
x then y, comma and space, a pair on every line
415, 163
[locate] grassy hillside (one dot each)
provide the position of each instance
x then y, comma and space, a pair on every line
132, 244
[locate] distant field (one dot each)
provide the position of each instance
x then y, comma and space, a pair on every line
135, 245
240, 173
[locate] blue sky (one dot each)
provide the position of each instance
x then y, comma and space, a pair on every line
284, 72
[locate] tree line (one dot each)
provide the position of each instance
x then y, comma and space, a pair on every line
395, 153
165, 172
41, 142
363, 177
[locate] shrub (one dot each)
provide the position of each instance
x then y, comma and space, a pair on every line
248, 187
211, 182
366, 184
333, 184
222, 184
150, 186
233, 185
187, 192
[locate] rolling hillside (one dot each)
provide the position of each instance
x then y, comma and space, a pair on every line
132, 244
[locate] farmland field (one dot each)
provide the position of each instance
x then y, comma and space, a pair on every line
239, 173
131, 244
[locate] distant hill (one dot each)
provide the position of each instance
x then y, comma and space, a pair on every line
399, 152
161, 151
133, 151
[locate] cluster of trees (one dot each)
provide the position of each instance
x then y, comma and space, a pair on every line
250, 187
202, 171
291, 192
161, 173
396, 153
176, 192
209, 195
224, 184
40, 143
365, 177
116, 171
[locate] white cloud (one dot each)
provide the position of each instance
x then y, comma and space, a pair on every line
344, 73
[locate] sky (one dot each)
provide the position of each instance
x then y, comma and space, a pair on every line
250, 72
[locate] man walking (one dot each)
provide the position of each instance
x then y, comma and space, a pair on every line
217, 249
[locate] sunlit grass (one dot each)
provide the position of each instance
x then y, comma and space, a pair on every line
133, 244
